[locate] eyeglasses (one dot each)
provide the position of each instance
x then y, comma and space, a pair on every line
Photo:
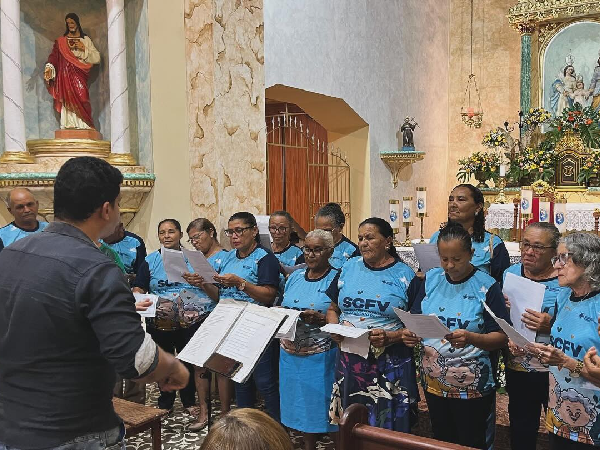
330, 230
562, 258
237, 231
274, 229
196, 237
315, 251
525, 246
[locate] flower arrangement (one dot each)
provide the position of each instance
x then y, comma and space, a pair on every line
537, 162
494, 138
590, 167
536, 117
485, 164
575, 119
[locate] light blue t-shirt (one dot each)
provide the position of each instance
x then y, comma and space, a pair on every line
342, 252
574, 403
530, 363
366, 296
11, 233
302, 293
482, 256
131, 251
185, 304
260, 267
288, 258
459, 372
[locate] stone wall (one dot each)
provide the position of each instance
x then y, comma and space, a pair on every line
225, 76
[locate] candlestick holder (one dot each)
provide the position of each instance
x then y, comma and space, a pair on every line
407, 242
525, 218
421, 217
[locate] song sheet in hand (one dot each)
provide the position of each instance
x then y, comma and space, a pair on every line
523, 294
151, 311
424, 326
356, 340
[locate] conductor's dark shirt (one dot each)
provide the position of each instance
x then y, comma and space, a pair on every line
67, 323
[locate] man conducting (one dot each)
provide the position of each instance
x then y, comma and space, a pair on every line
24, 208
68, 322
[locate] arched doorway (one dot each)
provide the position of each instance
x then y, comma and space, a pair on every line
303, 172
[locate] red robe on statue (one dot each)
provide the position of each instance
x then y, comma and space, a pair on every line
69, 87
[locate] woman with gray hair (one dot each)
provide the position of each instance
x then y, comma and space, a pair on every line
571, 425
307, 363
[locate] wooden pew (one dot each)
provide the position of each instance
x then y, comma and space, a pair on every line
355, 434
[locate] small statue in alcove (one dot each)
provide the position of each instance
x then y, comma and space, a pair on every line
407, 129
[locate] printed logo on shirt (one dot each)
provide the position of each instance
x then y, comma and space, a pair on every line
361, 303
566, 346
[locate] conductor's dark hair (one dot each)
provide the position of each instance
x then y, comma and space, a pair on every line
248, 219
332, 211
82, 186
479, 223
454, 231
385, 229
75, 17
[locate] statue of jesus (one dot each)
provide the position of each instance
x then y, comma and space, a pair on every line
66, 74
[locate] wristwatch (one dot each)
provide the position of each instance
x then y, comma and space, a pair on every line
577, 370
242, 286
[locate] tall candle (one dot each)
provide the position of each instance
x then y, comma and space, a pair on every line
395, 214
526, 200
502, 170
544, 211
406, 209
421, 200
560, 216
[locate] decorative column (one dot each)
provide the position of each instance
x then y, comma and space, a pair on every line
15, 150
117, 73
526, 30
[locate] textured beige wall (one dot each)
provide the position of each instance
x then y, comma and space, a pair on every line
496, 64
225, 103
171, 194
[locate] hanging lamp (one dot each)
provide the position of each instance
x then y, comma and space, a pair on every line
471, 112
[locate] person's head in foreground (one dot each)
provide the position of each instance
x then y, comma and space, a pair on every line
247, 429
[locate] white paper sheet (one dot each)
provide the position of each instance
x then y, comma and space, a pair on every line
200, 265
174, 264
288, 329
356, 340
262, 222
290, 269
427, 255
248, 337
151, 311
424, 326
212, 331
523, 294
518, 339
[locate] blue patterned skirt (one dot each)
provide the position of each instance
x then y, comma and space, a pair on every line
386, 385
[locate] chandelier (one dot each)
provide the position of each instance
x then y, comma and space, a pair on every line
471, 112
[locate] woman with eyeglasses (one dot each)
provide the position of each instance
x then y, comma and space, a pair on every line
363, 296
526, 378
177, 318
203, 236
331, 218
457, 371
306, 364
465, 206
251, 273
281, 227
573, 416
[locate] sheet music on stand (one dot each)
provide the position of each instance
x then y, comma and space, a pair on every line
237, 330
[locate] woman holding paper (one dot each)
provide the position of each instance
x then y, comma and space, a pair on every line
307, 364
202, 235
526, 378
465, 206
457, 371
251, 273
363, 295
177, 316
573, 415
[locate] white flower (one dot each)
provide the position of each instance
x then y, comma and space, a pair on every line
483, 290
